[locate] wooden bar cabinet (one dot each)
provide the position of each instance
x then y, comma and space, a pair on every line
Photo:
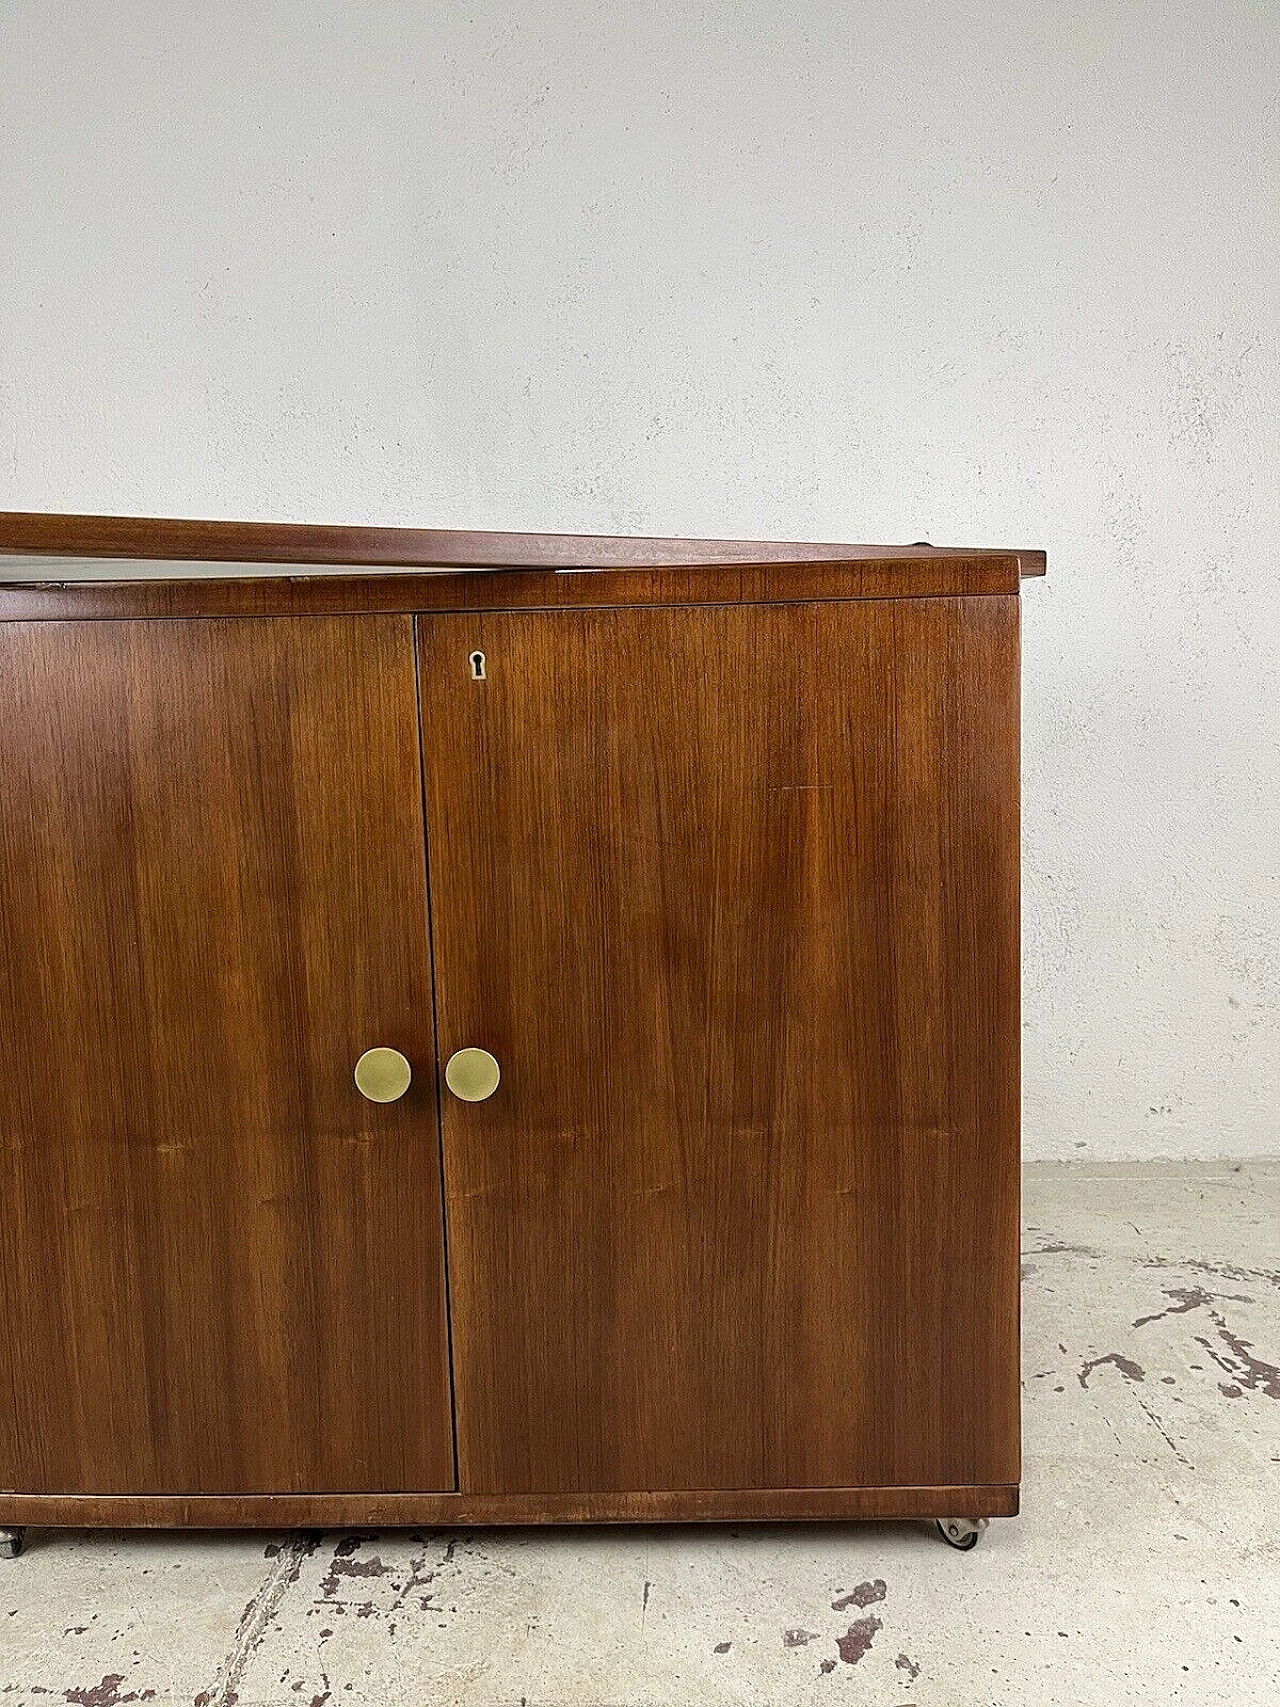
505, 1028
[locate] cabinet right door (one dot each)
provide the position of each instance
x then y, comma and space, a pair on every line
731, 894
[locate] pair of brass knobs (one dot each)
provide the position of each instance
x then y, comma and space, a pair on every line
383, 1075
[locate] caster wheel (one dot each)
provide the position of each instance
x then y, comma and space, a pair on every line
961, 1532
10, 1543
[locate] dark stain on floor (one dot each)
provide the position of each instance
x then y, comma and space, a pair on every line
107, 1693
902, 1663
345, 1566
1187, 1298
352, 1543
857, 1640
1219, 1270
798, 1638
1190, 1265
1128, 1368
866, 1594
416, 1583
1245, 1371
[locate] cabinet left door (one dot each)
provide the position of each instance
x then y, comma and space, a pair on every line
221, 1268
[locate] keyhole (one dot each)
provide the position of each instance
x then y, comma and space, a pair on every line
477, 666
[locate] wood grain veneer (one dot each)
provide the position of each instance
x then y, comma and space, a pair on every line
223, 1267
731, 894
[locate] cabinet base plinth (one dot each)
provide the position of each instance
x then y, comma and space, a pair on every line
390, 1510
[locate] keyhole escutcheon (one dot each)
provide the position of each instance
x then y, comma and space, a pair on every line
477, 666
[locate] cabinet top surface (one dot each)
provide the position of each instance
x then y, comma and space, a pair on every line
155, 539
64, 565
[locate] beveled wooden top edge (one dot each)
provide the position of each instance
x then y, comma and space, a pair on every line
474, 591
32, 533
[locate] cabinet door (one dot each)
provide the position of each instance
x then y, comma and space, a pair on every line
222, 1268
731, 894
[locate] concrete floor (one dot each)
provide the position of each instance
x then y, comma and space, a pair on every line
1146, 1566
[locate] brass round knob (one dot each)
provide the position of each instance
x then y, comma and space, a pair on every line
382, 1075
472, 1074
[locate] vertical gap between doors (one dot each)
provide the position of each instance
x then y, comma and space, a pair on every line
435, 1043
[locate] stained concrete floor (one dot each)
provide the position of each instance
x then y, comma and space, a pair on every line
1145, 1567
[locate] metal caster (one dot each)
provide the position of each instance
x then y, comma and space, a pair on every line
961, 1532
11, 1543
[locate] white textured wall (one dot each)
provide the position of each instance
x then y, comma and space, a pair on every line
999, 272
